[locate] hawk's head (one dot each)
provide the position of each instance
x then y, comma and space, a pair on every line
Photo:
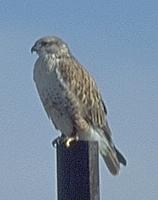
50, 45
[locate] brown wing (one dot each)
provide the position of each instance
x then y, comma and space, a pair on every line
83, 86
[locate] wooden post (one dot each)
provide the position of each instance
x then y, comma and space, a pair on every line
78, 171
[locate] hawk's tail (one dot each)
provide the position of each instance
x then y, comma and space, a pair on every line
112, 158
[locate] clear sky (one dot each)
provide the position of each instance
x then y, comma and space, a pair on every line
117, 41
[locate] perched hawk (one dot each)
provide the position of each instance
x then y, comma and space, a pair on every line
72, 100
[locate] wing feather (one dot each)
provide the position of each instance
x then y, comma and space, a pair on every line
84, 89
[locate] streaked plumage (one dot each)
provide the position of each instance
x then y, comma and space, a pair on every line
71, 98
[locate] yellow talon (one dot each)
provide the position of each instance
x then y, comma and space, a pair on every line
70, 140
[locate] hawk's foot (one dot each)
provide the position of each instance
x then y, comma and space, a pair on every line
65, 140
58, 140
69, 140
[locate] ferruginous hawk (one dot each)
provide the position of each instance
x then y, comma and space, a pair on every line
72, 100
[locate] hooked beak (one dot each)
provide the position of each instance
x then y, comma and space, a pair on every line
33, 49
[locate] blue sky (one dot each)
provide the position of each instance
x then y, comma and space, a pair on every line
117, 42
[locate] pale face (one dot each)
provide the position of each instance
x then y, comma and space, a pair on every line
50, 45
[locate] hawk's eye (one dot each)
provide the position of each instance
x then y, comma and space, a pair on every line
44, 43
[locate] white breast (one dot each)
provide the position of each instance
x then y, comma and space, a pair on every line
52, 92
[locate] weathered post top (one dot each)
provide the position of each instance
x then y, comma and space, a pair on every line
78, 171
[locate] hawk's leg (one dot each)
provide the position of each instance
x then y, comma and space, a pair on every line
80, 125
73, 137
